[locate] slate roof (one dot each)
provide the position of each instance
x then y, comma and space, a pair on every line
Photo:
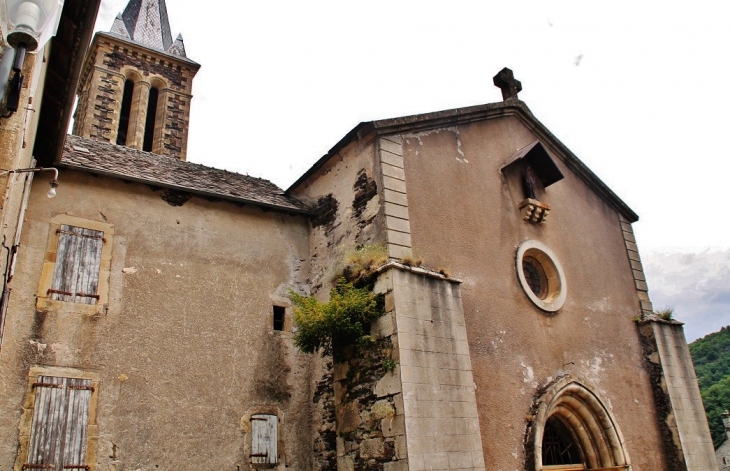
146, 22
106, 159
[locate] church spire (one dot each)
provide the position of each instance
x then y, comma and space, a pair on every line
137, 87
146, 22
178, 47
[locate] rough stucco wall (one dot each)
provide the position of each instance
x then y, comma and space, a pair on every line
347, 196
345, 220
17, 133
185, 350
472, 227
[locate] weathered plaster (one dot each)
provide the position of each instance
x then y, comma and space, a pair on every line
191, 321
472, 226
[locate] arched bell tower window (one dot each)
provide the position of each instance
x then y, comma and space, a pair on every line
149, 126
125, 112
572, 430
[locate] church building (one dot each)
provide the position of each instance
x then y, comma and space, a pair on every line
151, 324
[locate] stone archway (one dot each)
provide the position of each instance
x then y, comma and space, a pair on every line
577, 410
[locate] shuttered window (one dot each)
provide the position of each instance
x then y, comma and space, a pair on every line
264, 438
78, 258
60, 421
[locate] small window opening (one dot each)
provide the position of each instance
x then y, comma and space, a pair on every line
279, 316
149, 125
535, 276
558, 446
124, 113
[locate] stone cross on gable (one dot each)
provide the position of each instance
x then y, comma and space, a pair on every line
510, 86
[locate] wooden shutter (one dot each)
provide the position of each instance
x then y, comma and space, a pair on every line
78, 259
264, 439
58, 431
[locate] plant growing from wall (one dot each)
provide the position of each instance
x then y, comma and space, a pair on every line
361, 265
342, 321
389, 365
667, 313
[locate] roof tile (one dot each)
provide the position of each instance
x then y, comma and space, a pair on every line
135, 165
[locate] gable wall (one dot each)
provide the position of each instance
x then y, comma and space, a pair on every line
464, 217
185, 350
348, 215
346, 193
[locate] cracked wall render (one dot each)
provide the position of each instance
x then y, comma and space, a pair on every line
472, 227
186, 348
347, 218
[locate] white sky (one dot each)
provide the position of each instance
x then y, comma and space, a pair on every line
282, 81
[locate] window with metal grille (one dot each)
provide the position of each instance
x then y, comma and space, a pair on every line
58, 432
535, 276
559, 447
78, 258
264, 438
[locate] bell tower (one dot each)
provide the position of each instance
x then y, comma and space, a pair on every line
136, 84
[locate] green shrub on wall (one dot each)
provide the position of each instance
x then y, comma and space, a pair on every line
342, 321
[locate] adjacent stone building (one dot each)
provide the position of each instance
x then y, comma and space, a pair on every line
723, 451
150, 325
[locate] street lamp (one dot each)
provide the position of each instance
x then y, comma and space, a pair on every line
54, 182
28, 25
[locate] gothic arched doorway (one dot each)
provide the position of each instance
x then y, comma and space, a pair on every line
573, 430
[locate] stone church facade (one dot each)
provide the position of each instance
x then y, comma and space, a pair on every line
150, 325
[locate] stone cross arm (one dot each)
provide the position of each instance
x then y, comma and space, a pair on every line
510, 86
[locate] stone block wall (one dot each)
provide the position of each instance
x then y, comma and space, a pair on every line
395, 198
441, 421
637, 269
687, 439
101, 88
324, 450
369, 410
723, 451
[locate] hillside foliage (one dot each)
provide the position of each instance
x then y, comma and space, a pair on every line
711, 357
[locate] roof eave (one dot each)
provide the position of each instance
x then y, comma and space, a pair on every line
65, 64
131, 43
459, 116
574, 163
209, 194
356, 133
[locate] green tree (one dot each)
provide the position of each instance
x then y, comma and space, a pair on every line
711, 357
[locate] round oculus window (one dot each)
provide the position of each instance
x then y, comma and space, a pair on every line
541, 275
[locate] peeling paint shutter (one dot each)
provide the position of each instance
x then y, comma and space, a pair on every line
78, 258
264, 439
60, 421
